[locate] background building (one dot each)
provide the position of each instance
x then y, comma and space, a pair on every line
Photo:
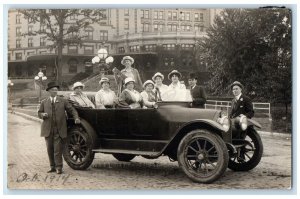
158, 39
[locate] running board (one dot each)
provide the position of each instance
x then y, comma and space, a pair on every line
134, 152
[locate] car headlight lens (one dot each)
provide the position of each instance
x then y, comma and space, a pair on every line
243, 122
224, 121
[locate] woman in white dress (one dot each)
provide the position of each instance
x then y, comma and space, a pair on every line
105, 97
159, 86
176, 90
148, 94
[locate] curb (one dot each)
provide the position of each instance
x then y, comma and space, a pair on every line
260, 132
29, 117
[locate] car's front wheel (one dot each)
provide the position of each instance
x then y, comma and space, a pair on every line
123, 157
78, 149
203, 156
248, 154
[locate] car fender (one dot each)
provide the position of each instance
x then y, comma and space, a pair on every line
211, 123
252, 122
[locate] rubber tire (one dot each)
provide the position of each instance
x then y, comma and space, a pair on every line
90, 144
220, 147
255, 159
123, 157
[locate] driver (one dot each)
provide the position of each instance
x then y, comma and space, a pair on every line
241, 104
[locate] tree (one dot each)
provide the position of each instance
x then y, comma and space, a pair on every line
252, 46
63, 27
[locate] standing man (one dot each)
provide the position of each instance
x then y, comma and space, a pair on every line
54, 125
241, 104
197, 92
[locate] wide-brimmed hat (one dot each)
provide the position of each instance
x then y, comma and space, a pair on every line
193, 76
174, 72
103, 79
128, 79
148, 82
237, 83
51, 85
127, 57
158, 75
77, 84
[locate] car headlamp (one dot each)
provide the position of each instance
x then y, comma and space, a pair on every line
224, 121
243, 122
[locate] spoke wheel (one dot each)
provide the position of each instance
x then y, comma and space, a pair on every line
123, 157
78, 149
248, 155
202, 156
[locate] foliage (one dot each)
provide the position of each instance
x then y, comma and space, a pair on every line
61, 27
252, 46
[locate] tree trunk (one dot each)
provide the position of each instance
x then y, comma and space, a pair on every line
59, 64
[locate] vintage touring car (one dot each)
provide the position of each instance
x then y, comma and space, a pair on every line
203, 141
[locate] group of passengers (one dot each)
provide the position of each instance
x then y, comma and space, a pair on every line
129, 84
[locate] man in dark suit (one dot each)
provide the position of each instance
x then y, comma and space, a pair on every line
197, 92
54, 125
241, 104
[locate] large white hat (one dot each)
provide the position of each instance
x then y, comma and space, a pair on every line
148, 82
174, 72
103, 79
127, 58
77, 84
128, 79
158, 75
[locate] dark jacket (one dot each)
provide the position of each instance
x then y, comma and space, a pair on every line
242, 106
199, 96
61, 105
126, 101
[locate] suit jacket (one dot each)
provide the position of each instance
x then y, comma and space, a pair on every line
61, 105
199, 96
242, 106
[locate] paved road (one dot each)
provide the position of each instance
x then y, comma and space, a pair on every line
28, 163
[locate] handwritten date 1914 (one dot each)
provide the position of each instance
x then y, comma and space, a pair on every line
25, 177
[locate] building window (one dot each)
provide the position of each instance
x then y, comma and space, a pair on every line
18, 56
18, 43
30, 29
126, 12
42, 41
169, 46
134, 48
18, 31
43, 52
174, 15
187, 46
145, 27
185, 27
121, 50
126, 24
30, 20
161, 15
72, 65
150, 48
72, 49
30, 42
172, 27
155, 15
169, 61
30, 53
43, 27
18, 19
187, 16
89, 50
182, 16
169, 15
197, 17
103, 35
158, 27
145, 14
201, 16
89, 33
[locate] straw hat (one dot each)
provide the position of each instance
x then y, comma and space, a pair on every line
127, 58
174, 72
158, 75
103, 79
77, 84
128, 79
148, 82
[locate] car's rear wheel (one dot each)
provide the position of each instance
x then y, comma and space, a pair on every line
78, 149
203, 156
248, 154
123, 157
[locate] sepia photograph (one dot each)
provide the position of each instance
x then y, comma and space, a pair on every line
150, 98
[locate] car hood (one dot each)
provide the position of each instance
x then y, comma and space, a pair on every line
174, 113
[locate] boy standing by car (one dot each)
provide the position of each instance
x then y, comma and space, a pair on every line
197, 92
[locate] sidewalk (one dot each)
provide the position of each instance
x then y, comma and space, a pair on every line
33, 118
